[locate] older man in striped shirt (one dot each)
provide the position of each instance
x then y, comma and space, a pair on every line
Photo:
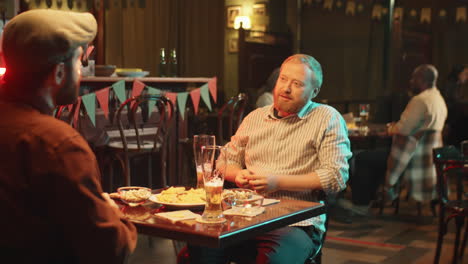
291, 149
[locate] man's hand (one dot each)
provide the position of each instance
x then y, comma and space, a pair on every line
241, 179
109, 200
262, 183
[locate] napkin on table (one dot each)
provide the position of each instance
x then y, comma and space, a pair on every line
180, 215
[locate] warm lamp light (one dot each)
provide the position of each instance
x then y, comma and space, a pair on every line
245, 20
2, 71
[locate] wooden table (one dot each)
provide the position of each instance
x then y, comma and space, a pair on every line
234, 230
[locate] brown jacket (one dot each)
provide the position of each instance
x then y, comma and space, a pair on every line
50, 195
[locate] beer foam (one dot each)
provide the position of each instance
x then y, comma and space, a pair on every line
214, 182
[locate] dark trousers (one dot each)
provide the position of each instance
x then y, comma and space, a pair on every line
369, 174
283, 245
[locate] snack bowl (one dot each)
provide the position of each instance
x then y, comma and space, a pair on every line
134, 194
242, 200
104, 70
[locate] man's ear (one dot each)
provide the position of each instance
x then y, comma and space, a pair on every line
315, 92
59, 74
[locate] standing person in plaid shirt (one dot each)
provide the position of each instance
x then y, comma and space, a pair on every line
418, 131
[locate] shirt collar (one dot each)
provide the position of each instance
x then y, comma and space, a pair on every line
301, 114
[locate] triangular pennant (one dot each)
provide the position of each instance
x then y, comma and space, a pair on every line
173, 98
377, 12
328, 4
137, 88
350, 8
212, 88
89, 102
181, 103
460, 15
151, 103
119, 89
205, 95
195, 95
103, 98
76, 115
425, 15
70, 108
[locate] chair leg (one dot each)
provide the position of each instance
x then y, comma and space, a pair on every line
459, 225
440, 237
463, 245
397, 205
433, 207
419, 208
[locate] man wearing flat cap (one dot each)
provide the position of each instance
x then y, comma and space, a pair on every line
53, 209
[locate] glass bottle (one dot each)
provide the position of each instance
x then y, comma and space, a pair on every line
162, 63
173, 64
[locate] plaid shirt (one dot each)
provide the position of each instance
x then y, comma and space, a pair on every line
416, 133
411, 157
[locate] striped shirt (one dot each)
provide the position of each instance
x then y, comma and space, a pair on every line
314, 140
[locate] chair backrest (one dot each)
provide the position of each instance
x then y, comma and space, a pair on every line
158, 124
66, 114
449, 161
234, 109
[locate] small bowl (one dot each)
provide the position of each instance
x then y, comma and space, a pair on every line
134, 194
104, 70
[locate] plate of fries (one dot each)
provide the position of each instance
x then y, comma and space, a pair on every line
180, 197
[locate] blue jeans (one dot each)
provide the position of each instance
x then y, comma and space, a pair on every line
284, 245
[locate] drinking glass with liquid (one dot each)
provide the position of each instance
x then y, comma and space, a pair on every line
214, 170
200, 141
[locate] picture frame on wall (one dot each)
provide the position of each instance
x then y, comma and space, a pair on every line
231, 13
233, 45
259, 9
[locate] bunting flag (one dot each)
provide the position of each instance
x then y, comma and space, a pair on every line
425, 15
204, 93
460, 14
181, 102
443, 13
350, 8
89, 102
360, 7
195, 95
103, 98
212, 87
76, 115
178, 100
151, 103
377, 12
119, 90
398, 13
328, 4
137, 88
339, 4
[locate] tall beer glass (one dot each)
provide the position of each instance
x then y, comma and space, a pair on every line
200, 141
214, 169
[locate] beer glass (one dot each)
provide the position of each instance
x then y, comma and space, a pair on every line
198, 142
214, 169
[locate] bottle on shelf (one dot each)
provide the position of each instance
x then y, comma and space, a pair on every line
162, 63
173, 64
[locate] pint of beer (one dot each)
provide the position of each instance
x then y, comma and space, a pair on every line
200, 141
214, 169
213, 209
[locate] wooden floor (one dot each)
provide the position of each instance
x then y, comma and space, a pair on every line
387, 239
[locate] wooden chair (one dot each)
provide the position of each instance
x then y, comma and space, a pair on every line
139, 138
450, 163
234, 110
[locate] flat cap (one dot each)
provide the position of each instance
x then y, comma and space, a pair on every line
43, 37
